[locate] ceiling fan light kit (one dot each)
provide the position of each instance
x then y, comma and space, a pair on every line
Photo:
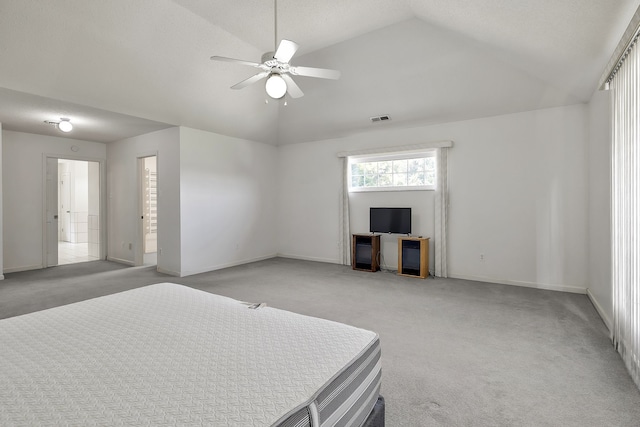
276, 86
276, 69
65, 125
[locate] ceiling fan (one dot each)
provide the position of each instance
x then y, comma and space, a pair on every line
277, 70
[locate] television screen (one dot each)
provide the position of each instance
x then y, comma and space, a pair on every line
390, 220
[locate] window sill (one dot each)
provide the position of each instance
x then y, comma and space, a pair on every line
378, 189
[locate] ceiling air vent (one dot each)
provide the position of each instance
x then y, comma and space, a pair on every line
380, 118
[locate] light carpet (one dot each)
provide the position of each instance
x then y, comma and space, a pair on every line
454, 352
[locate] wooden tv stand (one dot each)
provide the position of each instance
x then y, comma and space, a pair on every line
413, 257
365, 252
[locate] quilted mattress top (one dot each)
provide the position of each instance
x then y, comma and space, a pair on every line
167, 354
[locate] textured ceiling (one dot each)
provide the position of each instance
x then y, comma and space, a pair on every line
421, 61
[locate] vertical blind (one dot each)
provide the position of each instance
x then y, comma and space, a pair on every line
625, 208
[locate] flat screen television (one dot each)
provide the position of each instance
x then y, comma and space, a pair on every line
390, 220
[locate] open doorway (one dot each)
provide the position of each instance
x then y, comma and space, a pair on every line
78, 209
148, 205
73, 211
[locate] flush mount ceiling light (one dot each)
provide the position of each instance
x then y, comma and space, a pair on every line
64, 125
276, 69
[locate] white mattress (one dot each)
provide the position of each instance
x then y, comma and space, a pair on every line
167, 354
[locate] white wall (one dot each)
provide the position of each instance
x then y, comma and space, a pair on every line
518, 196
309, 182
80, 194
122, 188
1, 216
600, 286
227, 200
22, 192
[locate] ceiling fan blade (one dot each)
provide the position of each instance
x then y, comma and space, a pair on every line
292, 88
250, 80
239, 61
286, 50
322, 73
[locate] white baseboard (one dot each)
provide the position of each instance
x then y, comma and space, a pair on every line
169, 272
225, 265
24, 268
121, 261
545, 286
306, 258
603, 314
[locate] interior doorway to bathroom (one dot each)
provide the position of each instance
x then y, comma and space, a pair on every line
73, 211
147, 253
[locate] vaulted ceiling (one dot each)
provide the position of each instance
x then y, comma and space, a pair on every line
120, 68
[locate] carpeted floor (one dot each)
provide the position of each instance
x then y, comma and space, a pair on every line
455, 352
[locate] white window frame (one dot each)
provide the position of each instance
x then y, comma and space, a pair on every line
389, 157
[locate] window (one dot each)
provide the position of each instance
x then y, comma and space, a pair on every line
393, 171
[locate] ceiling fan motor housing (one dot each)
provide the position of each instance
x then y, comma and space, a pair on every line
266, 57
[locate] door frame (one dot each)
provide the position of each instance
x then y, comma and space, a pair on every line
102, 197
138, 256
62, 222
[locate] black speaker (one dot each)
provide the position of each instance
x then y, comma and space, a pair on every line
411, 257
363, 253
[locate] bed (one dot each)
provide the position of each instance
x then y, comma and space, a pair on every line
167, 354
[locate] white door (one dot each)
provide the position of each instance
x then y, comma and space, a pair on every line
65, 206
51, 218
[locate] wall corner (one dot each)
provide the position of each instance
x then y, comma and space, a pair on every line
1, 214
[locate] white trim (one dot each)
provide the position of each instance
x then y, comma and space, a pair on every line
399, 148
386, 268
226, 265
45, 262
390, 188
629, 34
400, 155
344, 226
24, 268
102, 197
306, 258
121, 261
75, 157
169, 272
138, 254
601, 312
544, 286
